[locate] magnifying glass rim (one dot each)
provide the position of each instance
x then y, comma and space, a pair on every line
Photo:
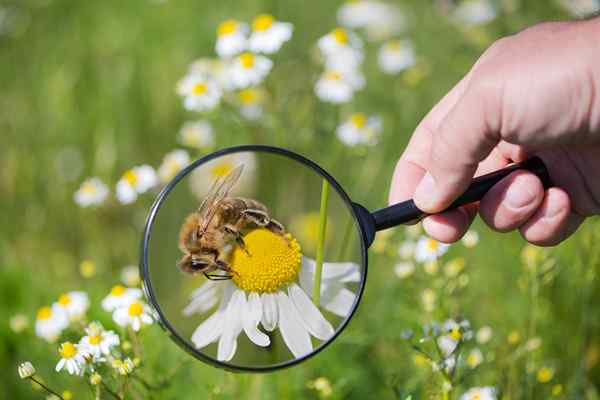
147, 285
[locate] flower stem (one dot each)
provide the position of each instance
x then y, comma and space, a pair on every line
46, 388
321, 243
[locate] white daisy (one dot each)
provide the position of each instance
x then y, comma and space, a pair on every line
120, 296
339, 40
249, 69
73, 358
453, 333
474, 358
479, 393
474, 12
74, 304
470, 239
92, 192
136, 314
172, 163
250, 102
134, 181
360, 129
396, 55
389, 23
26, 370
404, 269
338, 87
123, 366
271, 289
406, 250
484, 334
203, 177
231, 38
429, 249
380, 20
197, 134
199, 92
50, 322
580, 8
268, 35
130, 275
98, 341
212, 69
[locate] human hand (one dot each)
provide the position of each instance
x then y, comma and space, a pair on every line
537, 92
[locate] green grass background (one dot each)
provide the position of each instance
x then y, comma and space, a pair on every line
87, 88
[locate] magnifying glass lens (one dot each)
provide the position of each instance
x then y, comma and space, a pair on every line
253, 259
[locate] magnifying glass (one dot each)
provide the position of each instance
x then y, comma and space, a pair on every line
254, 258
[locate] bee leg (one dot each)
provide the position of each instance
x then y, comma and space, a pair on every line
258, 217
238, 237
275, 226
223, 266
215, 277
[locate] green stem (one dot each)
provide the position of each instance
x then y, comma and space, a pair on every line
321, 244
46, 388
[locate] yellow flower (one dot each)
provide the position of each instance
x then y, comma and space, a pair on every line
557, 389
513, 337
420, 360
545, 375
87, 268
95, 379
67, 395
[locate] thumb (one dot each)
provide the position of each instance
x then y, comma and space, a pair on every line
466, 136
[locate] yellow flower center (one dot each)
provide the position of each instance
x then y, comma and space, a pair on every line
135, 309
95, 339
262, 22
64, 299
130, 176
476, 396
359, 120
248, 96
455, 334
247, 60
340, 35
472, 360
394, 45
44, 313
271, 261
199, 88
333, 76
545, 375
88, 188
87, 268
67, 350
432, 245
221, 170
227, 27
117, 290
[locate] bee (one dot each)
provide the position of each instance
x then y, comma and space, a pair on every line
219, 222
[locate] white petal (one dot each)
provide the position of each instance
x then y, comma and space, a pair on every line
251, 318
209, 330
338, 299
270, 316
294, 334
341, 272
136, 324
60, 365
232, 326
202, 303
309, 314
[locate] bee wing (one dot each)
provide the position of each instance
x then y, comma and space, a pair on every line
218, 191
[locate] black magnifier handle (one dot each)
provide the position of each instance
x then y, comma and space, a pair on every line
407, 212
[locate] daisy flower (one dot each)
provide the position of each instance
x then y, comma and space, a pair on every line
213, 69
474, 12
72, 358
92, 192
120, 296
74, 304
338, 41
98, 341
479, 393
134, 181
396, 55
136, 314
545, 374
453, 333
470, 239
26, 370
50, 322
130, 275
271, 289
406, 250
231, 38
484, 334
360, 129
580, 8
197, 134
358, 13
428, 249
404, 269
249, 69
474, 358
123, 366
173, 162
250, 102
338, 87
202, 177
268, 35
199, 92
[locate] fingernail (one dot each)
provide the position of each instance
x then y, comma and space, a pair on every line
424, 194
519, 195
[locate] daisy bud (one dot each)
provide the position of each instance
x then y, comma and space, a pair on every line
26, 370
95, 379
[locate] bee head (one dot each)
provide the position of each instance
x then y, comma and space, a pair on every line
192, 265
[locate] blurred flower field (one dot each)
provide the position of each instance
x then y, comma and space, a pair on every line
102, 103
